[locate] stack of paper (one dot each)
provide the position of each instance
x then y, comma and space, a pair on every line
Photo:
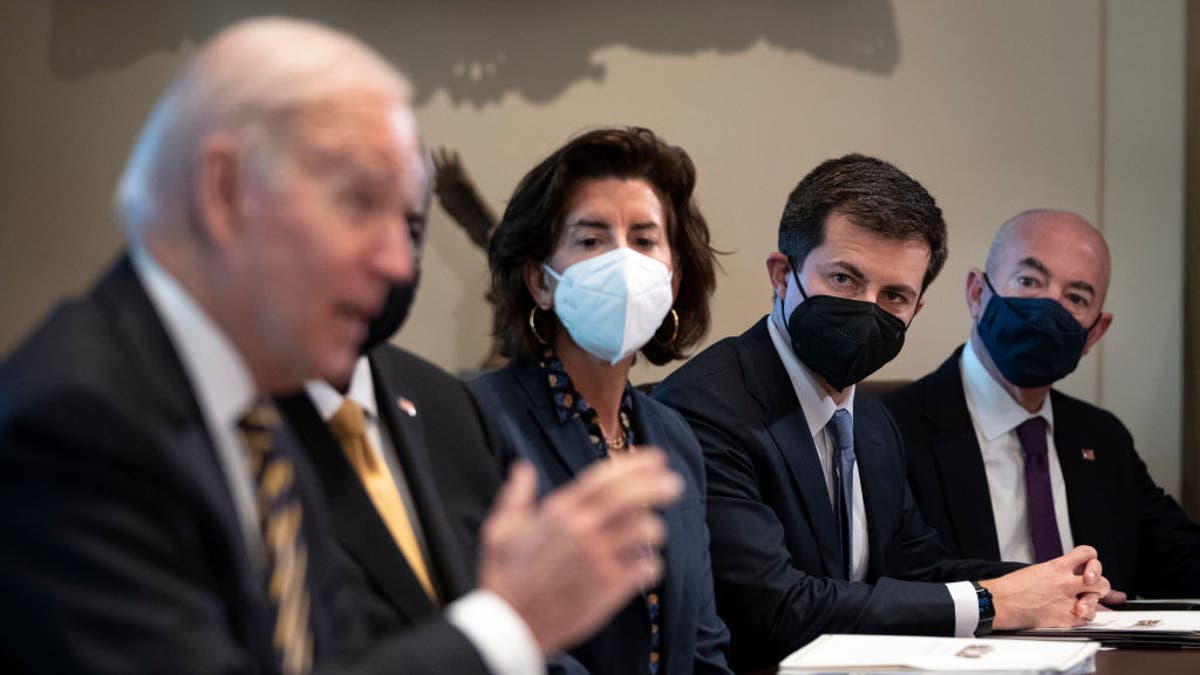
1133, 628
898, 653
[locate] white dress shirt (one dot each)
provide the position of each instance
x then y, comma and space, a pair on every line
818, 409
493, 627
225, 390
220, 379
996, 416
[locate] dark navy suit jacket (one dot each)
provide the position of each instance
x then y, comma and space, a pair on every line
1147, 545
123, 552
777, 563
517, 401
451, 471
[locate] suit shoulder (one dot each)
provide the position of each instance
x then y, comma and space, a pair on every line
718, 358
72, 350
710, 379
1077, 412
414, 367
493, 386
908, 403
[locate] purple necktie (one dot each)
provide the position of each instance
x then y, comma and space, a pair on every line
1043, 526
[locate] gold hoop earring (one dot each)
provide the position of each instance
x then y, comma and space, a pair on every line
674, 329
533, 327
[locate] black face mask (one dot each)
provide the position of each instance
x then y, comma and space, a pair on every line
843, 340
391, 317
1034, 342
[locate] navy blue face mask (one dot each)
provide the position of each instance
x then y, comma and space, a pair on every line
843, 340
1034, 342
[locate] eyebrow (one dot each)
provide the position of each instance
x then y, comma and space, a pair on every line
644, 225
597, 224
1040, 267
857, 274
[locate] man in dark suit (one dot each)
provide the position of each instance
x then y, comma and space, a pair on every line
1005, 467
157, 515
813, 528
435, 452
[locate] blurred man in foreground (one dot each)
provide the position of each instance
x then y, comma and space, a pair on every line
157, 515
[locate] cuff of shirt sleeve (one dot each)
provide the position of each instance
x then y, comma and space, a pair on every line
499, 633
966, 608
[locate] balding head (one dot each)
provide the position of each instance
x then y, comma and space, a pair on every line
1062, 234
245, 82
1045, 254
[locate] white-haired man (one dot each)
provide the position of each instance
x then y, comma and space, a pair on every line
157, 516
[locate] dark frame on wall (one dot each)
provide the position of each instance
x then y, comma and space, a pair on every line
1191, 272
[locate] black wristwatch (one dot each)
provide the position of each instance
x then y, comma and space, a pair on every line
987, 611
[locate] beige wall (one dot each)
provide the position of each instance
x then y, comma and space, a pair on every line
996, 106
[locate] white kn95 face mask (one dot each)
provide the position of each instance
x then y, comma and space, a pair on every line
612, 304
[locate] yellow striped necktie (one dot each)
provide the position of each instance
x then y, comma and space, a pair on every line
349, 426
281, 518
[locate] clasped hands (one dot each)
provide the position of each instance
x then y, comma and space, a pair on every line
1059, 593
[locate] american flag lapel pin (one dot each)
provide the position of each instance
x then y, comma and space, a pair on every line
1088, 454
407, 406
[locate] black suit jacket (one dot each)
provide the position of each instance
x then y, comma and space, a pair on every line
1147, 544
777, 564
122, 549
517, 399
449, 466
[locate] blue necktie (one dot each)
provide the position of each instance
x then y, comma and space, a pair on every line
841, 431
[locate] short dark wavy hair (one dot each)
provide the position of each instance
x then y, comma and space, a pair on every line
533, 223
872, 194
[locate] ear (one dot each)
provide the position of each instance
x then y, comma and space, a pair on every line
1098, 331
974, 289
217, 188
539, 283
779, 269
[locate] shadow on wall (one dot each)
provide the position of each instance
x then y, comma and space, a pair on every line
478, 51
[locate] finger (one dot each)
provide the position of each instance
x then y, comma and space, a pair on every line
1077, 557
1085, 608
637, 480
1114, 598
519, 493
643, 531
1091, 571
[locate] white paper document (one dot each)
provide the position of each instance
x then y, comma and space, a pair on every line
901, 653
1160, 628
1150, 622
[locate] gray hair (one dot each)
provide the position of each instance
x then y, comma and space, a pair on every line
242, 82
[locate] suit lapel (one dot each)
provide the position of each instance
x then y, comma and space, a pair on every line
876, 480
647, 426
357, 524
170, 397
1084, 493
956, 451
567, 443
767, 381
395, 399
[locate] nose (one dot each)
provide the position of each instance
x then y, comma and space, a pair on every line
394, 258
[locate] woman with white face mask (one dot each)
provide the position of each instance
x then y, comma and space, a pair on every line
602, 254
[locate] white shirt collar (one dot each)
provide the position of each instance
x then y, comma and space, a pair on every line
361, 391
817, 405
993, 409
221, 380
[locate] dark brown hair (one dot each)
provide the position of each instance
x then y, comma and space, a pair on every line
872, 194
533, 222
